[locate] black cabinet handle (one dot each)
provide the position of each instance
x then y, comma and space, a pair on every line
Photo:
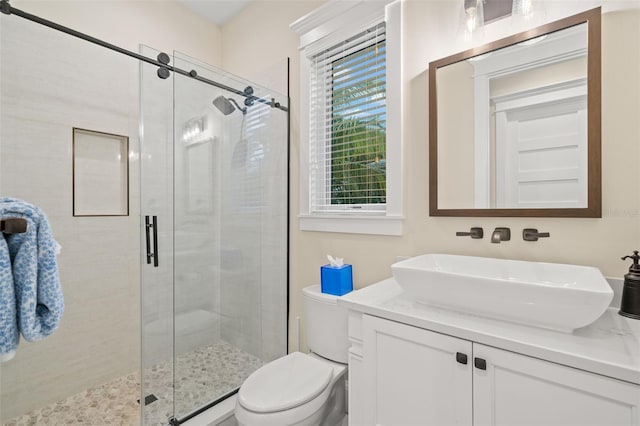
480, 363
461, 358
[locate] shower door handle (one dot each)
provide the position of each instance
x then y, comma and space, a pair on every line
155, 241
148, 225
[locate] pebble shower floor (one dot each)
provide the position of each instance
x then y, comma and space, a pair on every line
205, 373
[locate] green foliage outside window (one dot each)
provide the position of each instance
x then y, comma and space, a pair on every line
358, 173
358, 129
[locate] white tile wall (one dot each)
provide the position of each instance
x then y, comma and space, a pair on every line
50, 84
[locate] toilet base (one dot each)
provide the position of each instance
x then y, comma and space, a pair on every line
337, 409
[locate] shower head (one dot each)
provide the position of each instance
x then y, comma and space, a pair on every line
226, 105
223, 105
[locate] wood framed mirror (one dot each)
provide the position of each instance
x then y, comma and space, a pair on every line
515, 125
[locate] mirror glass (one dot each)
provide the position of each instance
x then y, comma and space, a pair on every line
512, 128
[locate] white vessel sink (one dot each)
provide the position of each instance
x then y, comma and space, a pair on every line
548, 295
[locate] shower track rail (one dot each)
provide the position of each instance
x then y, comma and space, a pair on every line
162, 62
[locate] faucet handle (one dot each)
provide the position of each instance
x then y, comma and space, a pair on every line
532, 234
501, 234
476, 233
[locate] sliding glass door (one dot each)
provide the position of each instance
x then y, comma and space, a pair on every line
214, 190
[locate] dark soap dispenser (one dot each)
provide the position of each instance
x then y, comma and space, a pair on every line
630, 306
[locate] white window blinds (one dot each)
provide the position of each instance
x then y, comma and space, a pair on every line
348, 125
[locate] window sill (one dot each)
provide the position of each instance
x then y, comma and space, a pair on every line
353, 224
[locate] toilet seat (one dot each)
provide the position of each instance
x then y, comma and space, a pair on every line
286, 383
303, 389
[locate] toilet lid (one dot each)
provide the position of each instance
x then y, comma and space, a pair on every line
285, 383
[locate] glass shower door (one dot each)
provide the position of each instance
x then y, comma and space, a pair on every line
230, 233
156, 192
214, 176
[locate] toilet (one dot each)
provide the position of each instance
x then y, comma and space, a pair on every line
303, 389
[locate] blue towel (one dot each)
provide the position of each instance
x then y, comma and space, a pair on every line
38, 293
9, 335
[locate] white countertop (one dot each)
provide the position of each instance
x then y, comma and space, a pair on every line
610, 346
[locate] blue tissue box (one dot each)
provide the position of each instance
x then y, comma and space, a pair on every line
336, 280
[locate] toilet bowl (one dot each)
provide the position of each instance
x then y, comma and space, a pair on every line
302, 389
294, 390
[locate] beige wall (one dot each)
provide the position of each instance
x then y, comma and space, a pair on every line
429, 33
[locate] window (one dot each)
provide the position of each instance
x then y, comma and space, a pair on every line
350, 148
348, 166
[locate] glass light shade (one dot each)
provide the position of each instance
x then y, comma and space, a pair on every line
472, 19
523, 8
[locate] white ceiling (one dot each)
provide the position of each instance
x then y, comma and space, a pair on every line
216, 11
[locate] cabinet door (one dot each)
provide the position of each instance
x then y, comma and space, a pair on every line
412, 377
517, 390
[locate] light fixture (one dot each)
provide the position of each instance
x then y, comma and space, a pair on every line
197, 130
523, 8
473, 18
192, 129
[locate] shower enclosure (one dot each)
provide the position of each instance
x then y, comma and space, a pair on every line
171, 304
208, 274
214, 235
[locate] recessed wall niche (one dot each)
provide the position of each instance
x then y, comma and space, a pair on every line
100, 173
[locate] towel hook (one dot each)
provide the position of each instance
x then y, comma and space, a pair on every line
13, 225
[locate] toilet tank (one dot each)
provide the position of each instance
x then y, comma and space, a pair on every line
326, 324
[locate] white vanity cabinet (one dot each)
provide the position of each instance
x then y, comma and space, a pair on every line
402, 375
411, 376
517, 389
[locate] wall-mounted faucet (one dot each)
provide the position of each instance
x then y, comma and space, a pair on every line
475, 233
501, 234
531, 234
